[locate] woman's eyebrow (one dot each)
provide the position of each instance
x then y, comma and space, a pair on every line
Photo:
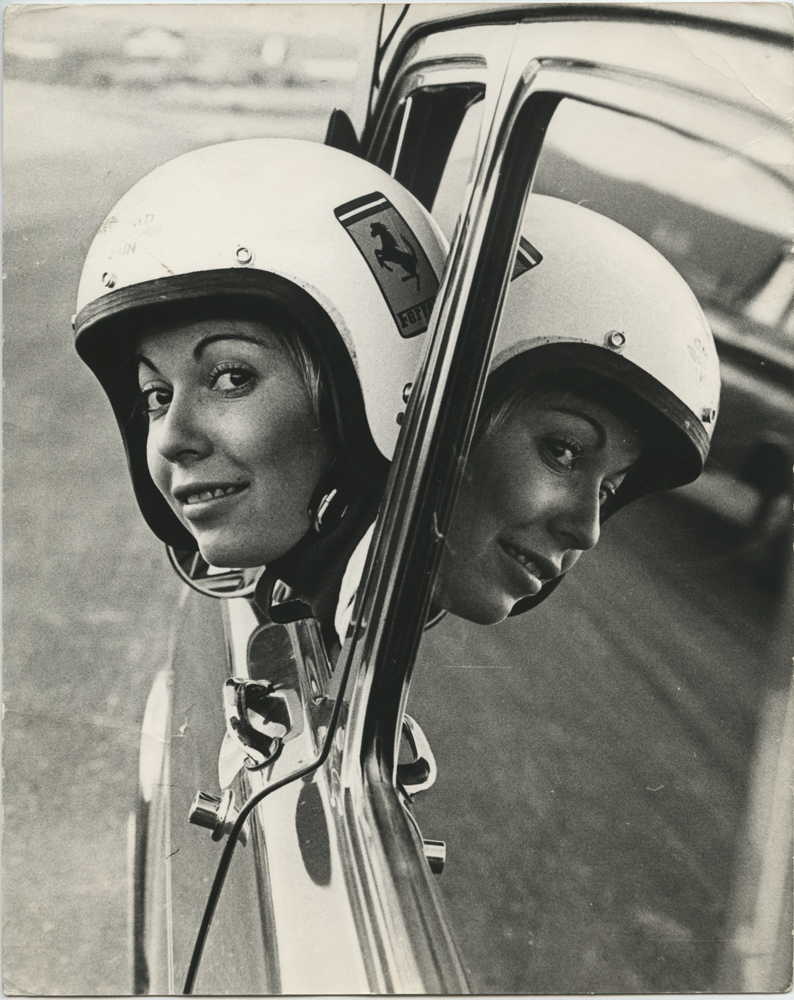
143, 360
198, 350
629, 467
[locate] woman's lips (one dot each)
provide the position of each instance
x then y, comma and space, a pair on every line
196, 499
535, 572
213, 494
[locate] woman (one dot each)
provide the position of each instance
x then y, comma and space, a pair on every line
253, 311
603, 386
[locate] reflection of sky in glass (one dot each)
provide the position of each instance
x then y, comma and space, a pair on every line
635, 150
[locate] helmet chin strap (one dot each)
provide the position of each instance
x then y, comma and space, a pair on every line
332, 497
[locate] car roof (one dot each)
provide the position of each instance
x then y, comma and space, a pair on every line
767, 17
404, 24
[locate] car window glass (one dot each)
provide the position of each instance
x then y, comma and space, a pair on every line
430, 144
678, 194
448, 203
511, 711
774, 300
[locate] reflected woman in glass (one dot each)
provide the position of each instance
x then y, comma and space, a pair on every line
604, 387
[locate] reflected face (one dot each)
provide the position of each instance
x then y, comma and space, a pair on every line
530, 502
233, 444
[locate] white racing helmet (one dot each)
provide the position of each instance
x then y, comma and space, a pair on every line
314, 233
589, 295
592, 300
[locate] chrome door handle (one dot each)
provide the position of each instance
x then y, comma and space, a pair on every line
257, 718
419, 774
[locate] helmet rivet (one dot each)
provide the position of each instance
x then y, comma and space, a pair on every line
616, 339
109, 280
407, 391
244, 256
709, 415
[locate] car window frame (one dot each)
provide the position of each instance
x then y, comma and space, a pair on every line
438, 428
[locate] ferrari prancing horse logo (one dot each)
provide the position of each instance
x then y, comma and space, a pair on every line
395, 257
390, 253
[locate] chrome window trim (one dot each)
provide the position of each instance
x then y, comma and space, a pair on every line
425, 79
418, 28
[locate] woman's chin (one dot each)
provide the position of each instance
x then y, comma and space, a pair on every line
227, 550
229, 556
481, 609
219, 560
487, 616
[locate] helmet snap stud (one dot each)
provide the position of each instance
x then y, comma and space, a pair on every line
616, 340
244, 256
709, 415
109, 280
407, 391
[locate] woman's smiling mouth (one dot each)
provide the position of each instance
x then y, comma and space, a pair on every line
536, 570
192, 496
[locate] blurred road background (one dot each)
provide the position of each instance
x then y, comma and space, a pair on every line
593, 756
88, 591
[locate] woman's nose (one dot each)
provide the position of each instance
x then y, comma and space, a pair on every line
578, 524
178, 434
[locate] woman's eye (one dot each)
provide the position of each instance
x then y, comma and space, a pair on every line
155, 399
563, 452
231, 379
607, 492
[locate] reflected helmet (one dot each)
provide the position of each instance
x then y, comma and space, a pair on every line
589, 295
302, 229
591, 299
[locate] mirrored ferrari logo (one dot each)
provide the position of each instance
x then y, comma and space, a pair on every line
395, 257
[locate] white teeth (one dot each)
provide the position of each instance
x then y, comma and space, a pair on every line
221, 491
519, 556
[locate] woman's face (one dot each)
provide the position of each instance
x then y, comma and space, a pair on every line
530, 501
233, 444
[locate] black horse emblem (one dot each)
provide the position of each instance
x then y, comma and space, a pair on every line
389, 252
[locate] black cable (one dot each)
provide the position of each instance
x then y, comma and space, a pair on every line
375, 77
234, 833
382, 50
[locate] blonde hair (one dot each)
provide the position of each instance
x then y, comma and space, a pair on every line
305, 363
504, 395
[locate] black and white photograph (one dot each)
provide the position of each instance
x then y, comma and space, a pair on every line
398, 445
